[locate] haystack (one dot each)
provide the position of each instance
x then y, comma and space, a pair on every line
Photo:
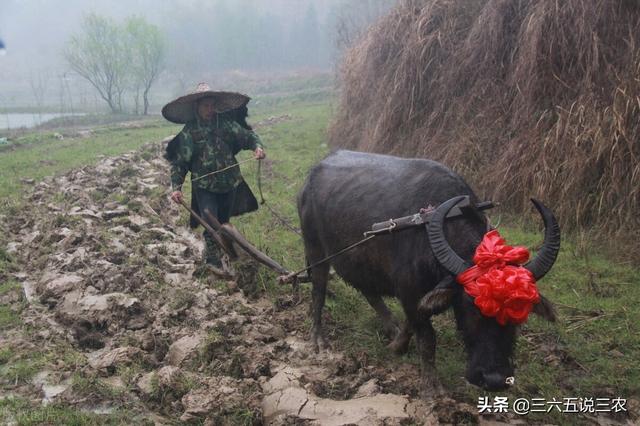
528, 98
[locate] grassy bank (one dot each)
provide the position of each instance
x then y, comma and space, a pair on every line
591, 352
34, 156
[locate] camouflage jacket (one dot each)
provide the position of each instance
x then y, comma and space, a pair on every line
204, 148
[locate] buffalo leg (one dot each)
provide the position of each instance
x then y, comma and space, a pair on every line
426, 345
319, 277
426, 342
390, 326
400, 344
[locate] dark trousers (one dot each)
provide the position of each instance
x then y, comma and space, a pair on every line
219, 205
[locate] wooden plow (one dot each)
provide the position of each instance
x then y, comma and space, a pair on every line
225, 235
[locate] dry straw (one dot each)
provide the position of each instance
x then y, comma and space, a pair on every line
522, 97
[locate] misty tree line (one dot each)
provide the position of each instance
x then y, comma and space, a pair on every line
229, 34
122, 60
118, 58
226, 36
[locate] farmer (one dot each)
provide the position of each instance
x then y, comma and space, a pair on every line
215, 131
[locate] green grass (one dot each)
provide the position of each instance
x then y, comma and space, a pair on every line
19, 368
21, 412
22, 368
8, 287
10, 311
38, 156
6, 261
593, 350
8, 317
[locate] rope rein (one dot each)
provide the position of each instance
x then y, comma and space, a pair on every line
259, 181
263, 202
294, 275
224, 169
328, 258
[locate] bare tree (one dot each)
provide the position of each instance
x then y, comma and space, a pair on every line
39, 82
147, 50
115, 58
96, 54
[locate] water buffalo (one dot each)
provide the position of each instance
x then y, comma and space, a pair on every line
349, 191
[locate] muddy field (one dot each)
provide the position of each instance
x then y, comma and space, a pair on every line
111, 273
120, 282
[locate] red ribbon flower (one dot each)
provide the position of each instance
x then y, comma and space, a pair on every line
501, 288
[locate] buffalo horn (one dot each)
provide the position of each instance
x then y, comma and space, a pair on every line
546, 257
441, 248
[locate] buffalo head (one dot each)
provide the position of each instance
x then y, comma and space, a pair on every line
489, 340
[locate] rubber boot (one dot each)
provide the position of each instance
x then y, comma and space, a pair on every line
212, 252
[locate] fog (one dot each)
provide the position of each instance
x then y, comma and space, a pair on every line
204, 40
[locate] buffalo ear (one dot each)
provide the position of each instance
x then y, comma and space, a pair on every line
545, 309
438, 299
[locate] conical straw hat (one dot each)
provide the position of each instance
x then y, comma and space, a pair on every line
183, 109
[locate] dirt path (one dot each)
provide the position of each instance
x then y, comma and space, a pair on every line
111, 276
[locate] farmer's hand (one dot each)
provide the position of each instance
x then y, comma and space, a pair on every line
259, 153
177, 197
